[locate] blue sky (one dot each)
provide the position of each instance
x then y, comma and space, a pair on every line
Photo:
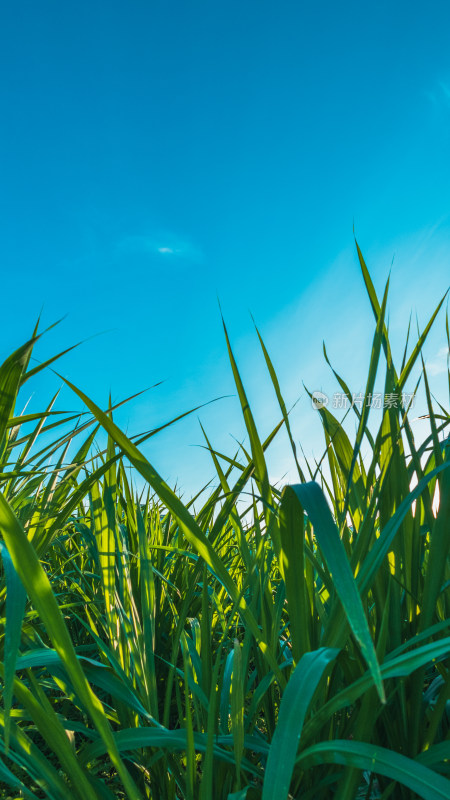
156, 156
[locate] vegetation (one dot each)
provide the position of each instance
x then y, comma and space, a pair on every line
271, 644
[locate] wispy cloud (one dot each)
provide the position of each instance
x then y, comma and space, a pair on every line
163, 244
438, 363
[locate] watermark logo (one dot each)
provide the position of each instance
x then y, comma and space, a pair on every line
319, 400
377, 400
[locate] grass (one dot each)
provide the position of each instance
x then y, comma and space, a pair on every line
253, 643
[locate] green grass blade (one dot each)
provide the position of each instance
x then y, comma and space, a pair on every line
11, 372
9, 779
398, 667
313, 501
383, 544
40, 592
259, 461
237, 708
188, 525
294, 705
425, 782
281, 403
292, 567
15, 608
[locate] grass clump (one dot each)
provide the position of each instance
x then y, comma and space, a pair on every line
258, 644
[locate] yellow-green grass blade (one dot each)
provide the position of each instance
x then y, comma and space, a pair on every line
313, 501
222, 516
81, 490
343, 450
148, 610
106, 545
383, 543
292, 568
11, 372
23, 419
96, 672
420, 779
294, 705
172, 741
281, 403
405, 351
432, 418
447, 330
206, 654
38, 587
439, 545
419, 345
51, 728
206, 787
237, 709
190, 744
45, 364
188, 525
373, 368
347, 393
49, 449
400, 382
237, 525
15, 608
259, 461
30, 439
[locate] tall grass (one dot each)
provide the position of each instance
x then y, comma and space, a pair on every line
254, 644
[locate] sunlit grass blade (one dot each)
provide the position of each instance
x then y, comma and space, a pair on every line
292, 567
40, 592
11, 372
237, 708
313, 501
15, 608
190, 528
34, 371
373, 368
281, 403
383, 544
259, 461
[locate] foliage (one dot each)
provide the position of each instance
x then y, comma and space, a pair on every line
266, 645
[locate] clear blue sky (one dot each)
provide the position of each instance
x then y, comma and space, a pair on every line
156, 155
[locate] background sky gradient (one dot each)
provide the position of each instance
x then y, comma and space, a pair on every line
157, 156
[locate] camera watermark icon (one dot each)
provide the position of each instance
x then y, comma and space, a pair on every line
319, 400
376, 400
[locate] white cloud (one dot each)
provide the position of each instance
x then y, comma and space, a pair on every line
438, 364
164, 243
